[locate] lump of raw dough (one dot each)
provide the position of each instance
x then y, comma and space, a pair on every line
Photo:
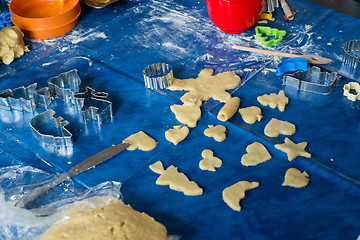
206, 86
229, 109
274, 100
233, 194
187, 114
293, 150
209, 162
140, 141
176, 180
296, 178
217, 132
11, 44
276, 127
111, 220
256, 153
177, 134
251, 114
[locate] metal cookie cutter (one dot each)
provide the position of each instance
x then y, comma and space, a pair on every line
25, 98
312, 80
65, 85
94, 106
352, 86
50, 129
158, 76
349, 56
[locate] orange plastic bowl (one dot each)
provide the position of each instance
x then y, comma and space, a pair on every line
45, 18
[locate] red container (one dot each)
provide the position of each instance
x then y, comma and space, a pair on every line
234, 16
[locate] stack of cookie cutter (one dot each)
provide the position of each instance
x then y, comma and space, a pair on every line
312, 80
349, 57
158, 76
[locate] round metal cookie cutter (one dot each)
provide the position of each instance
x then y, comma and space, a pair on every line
158, 76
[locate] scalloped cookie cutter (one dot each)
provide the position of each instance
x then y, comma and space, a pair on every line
269, 36
40, 124
312, 80
352, 86
158, 76
349, 58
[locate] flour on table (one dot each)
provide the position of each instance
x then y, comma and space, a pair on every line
209, 161
140, 141
256, 154
293, 150
276, 127
233, 194
177, 134
296, 178
217, 132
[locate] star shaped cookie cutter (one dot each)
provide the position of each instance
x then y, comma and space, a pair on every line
352, 86
40, 129
94, 106
312, 80
269, 36
349, 58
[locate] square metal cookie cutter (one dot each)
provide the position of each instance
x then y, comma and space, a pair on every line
312, 80
158, 76
349, 57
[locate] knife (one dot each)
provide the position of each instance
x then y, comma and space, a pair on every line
88, 163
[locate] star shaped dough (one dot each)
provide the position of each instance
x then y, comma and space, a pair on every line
206, 86
293, 150
274, 100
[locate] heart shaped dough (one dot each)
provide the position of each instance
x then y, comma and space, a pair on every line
177, 134
140, 141
257, 153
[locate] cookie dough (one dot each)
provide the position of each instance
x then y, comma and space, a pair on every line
217, 132
274, 100
113, 220
256, 153
206, 86
251, 114
233, 194
176, 180
209, 162
276, 127
229, 109
140, 141
293, 150
177, 134
296, 178
187, 114
11, 44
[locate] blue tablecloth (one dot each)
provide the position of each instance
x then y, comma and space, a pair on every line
110, 47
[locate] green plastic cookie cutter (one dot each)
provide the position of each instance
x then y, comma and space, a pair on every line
269, 36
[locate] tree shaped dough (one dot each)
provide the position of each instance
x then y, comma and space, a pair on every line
274, 100
217, 132
296, 178
233, 194
251, 114
177, 134
206, 86
186, 114
140, 141
293, 150
276, 127
257, 153
176, 180
209, 162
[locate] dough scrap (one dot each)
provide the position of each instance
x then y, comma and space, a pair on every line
256, 153
217, 132
140, 141
11, 44
276, 127
176, 180
187, 114
251, 114
293, 150
296, 178
105, 218
206, 86
274, 100
233, 194
209, 162
177, 134
229, 109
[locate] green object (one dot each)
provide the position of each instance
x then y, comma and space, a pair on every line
269, 36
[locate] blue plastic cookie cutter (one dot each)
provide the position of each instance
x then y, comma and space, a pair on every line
292, 65
312, 80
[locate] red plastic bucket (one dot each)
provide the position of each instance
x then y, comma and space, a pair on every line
234, 16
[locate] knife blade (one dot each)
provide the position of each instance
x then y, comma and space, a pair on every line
88, 163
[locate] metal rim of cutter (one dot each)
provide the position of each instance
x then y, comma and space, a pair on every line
158, 76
